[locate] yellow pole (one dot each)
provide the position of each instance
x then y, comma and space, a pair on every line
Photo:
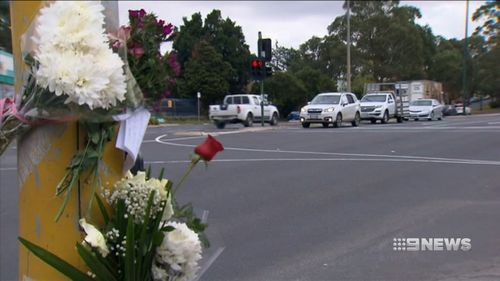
43, 155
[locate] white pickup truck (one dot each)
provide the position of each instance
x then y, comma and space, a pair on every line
242, 109
382, 106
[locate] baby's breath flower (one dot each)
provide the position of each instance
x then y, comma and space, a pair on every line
135, 192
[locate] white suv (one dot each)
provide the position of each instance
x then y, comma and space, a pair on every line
331, 108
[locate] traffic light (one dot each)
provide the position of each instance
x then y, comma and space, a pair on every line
264, 49
258, 69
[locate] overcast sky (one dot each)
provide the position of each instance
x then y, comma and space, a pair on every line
291, 23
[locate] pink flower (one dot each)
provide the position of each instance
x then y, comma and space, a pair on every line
136, 13
167, 29
160, 23
120, 38
172, 61
136, 50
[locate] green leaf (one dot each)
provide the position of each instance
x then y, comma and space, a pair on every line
96, 266
57, 263
158, 237
167, 228
130, 251
102, 208
161, 173
74, 180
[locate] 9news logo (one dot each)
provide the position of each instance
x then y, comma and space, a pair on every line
431, 244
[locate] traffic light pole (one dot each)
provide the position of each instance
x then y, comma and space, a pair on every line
261, 86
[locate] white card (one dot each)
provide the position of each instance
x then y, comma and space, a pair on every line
131, 133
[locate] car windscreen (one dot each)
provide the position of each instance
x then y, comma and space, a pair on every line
374, 98
326, 99
421, 103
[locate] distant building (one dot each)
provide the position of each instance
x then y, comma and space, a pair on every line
6, 74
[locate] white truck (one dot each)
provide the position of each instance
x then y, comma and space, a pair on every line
379, 106
383, 101
242, 109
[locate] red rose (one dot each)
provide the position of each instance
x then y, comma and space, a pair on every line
209, 148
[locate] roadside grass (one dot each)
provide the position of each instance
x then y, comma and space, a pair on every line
486, 110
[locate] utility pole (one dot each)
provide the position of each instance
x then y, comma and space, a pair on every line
348, 47
466, 55
259, 55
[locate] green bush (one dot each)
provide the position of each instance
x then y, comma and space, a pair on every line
495, 104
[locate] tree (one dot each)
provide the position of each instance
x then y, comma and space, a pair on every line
206, 72
5, 33
226, 39
490, 12
447, 65
287, 92
389, 45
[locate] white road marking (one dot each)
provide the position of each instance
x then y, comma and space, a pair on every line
471, 162
393, 158
8, 169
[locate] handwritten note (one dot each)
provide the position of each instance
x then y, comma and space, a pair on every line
133, 126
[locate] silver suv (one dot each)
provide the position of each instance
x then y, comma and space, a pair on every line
331, 108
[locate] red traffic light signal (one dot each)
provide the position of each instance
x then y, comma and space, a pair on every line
258, 69
257, 64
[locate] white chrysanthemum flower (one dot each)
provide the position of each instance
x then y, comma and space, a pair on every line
74, 55
70, 25
179, 251
95, 238
159, 273
135, 192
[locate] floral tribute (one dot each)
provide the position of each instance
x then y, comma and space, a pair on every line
146, 235
71, 71
76, 71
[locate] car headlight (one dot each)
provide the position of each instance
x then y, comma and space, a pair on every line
330, 109
378, 106
303, 110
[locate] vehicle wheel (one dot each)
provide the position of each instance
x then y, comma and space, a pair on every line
325, 124
220, 125
338, 121
400, 120
416, 119
385, 118
305, 125
373, 121
432, 116
248, 121
356, 120
274, 120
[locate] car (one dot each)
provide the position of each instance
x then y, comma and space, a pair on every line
426, 108
331, 108
243, 109
293, 116
381, 106
460, 109
449, 110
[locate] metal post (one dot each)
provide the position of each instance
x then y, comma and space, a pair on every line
43, 155
261, 86
348, 46
466, 54
198, 95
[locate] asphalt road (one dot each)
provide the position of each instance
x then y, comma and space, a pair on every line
288, 203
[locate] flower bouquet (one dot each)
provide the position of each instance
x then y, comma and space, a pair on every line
146, 235
71, 73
